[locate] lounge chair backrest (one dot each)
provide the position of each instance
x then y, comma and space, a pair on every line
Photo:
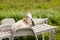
8, 21
40, 21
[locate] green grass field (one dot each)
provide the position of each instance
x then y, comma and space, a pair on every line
39, 9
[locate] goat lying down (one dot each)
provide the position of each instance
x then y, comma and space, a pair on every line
19, 24
26, 22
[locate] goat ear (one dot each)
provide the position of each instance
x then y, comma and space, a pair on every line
33, 24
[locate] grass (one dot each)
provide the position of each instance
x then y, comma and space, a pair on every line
24, 5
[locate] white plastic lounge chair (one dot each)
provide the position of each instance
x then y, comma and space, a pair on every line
27, 31
41, 26
4, 28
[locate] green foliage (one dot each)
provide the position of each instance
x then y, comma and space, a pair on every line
53, 15
17, 15
27, 4
48, 0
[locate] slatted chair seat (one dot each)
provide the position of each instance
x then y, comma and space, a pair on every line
5, 34
42, 27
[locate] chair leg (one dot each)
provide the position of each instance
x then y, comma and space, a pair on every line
42, 36
10, 38
0, 38
51, 35
36, 37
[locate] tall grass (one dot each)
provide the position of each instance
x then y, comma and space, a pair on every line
51, 14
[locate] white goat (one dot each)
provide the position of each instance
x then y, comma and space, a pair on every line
26, 22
